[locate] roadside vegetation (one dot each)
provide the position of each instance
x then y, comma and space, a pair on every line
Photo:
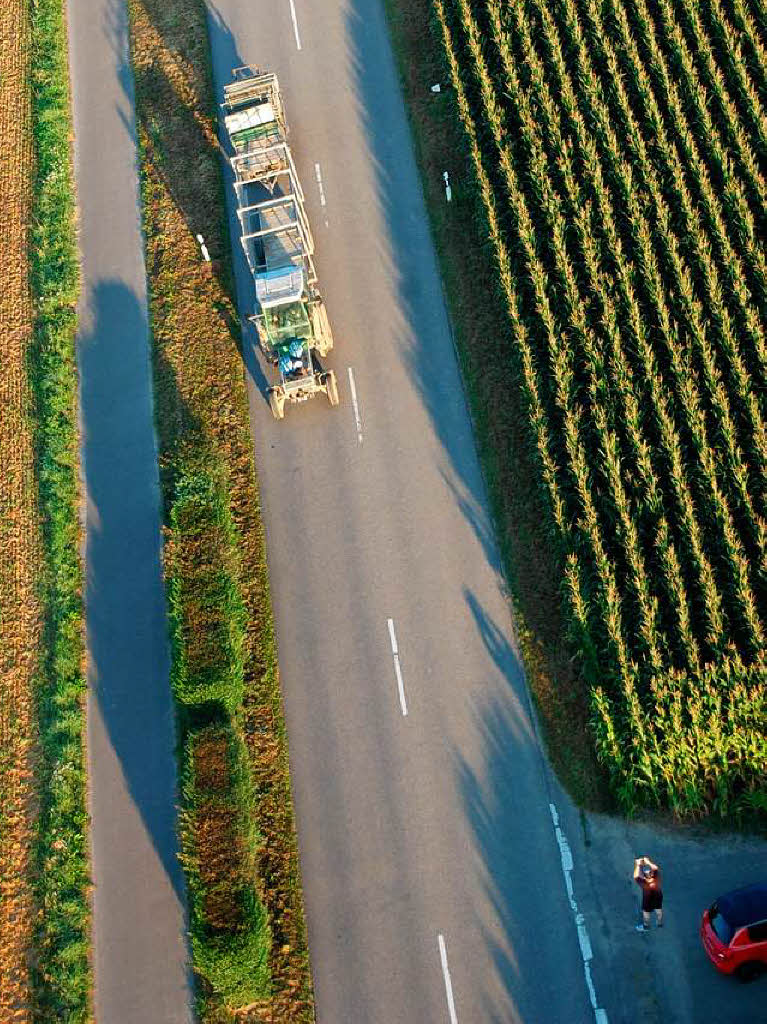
611, 169
237, 833
44, 964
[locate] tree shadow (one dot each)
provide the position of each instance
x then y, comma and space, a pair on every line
514, 837
410, 260
128, 660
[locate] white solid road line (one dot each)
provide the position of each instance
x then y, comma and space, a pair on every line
566, 856
397, 669
448, 983
318, 175
355, 406
295, 24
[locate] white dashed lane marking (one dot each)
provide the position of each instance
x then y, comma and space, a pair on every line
587, 955
397, 669
356, 407
295, 24
320, 186
448, 983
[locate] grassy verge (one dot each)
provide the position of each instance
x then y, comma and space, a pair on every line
43, 909
62, 973
248, 932
499, 415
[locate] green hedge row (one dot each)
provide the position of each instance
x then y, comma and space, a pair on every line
231, 937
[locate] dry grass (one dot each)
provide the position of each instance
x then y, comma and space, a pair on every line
201, 410
20, 552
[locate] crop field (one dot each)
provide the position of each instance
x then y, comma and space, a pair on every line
19, 533
616, 155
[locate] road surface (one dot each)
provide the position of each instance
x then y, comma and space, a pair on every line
139, 932
433, 875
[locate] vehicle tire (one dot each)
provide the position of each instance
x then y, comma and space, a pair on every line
277, 407
332, 386
749, 971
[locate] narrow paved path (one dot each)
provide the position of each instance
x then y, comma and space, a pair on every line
139, 945
432, 870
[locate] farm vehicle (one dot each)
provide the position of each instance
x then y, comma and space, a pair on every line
291, 320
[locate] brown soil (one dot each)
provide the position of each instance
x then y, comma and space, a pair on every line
20, 555
220, 864
218, 849
211, 762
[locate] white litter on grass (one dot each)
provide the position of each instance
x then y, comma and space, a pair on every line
587, 954
203, 249
436, 88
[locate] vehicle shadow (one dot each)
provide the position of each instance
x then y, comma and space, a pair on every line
222, 39
181, 152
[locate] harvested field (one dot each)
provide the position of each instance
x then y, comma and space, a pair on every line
613, 156
20, 553
203, 431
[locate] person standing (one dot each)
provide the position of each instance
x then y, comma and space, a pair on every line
650, 880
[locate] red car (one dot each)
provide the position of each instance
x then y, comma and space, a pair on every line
734, 932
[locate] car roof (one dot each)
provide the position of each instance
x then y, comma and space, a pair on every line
744, 906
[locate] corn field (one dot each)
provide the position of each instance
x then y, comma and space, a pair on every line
618, 154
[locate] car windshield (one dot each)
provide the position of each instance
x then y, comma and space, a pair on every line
724, 931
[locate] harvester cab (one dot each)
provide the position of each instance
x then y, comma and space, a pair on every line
290, 320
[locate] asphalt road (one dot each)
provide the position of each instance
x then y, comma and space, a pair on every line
427, 843
139, 932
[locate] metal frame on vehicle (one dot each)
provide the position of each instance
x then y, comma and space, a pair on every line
276, 237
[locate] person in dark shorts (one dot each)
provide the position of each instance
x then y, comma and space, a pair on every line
650, 880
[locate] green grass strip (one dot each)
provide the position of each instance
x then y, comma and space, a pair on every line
61, 973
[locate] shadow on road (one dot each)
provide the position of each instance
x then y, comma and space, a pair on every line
126, 615
528, 929
495, 808
424, 323
173, 126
